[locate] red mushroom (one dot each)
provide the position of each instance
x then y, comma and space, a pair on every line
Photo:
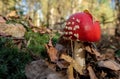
81, 27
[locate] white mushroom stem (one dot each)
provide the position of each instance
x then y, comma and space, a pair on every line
79, 55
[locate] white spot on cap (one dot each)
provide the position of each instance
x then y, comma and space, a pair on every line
68, 23
78, 20
69, 28
66, 33
70, 33
76, 35
87, 27
73, 23
66, 27
73, 18
76, 27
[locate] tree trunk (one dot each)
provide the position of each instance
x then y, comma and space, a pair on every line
48, 13
117, 7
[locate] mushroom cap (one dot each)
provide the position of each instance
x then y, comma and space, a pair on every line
81, 27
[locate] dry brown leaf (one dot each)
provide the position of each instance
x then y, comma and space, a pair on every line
62, 64
40, 70
59, 47
4, 35
103, 74
15, 30
76, 66
70, 72
50, 42
96, 52
2, 20
93, 51
109, 64
12, 14
41, 30
51, 66
88, 49
91, 73
109, 54
35, 30
18, 42
48, 30
52, 51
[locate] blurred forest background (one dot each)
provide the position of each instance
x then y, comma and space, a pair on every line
38, 20
53, 13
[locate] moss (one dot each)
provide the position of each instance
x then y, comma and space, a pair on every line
12, 60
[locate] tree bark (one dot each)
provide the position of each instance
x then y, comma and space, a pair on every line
48, 13
117, 7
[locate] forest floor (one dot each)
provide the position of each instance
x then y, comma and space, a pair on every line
102, 59
106, 67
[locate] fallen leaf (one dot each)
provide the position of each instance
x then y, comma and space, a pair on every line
2, 20
62, 64
109, 64
12, 14
96, 53
15, 30
4, 35
109, 54
76, 66
70, 71
40, 70
51, 66
103, 74
52, 51
118, 59
88, 49
42, 30
34, 30
48, 30
59, 47
93, 51
91, 73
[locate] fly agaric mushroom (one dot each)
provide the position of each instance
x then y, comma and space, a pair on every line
81, 27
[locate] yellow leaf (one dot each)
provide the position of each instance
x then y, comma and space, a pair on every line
70, 72
12, 14
76, 66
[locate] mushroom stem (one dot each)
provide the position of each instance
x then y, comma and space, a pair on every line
79, 55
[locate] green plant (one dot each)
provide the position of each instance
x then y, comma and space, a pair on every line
12, 60
36, 42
